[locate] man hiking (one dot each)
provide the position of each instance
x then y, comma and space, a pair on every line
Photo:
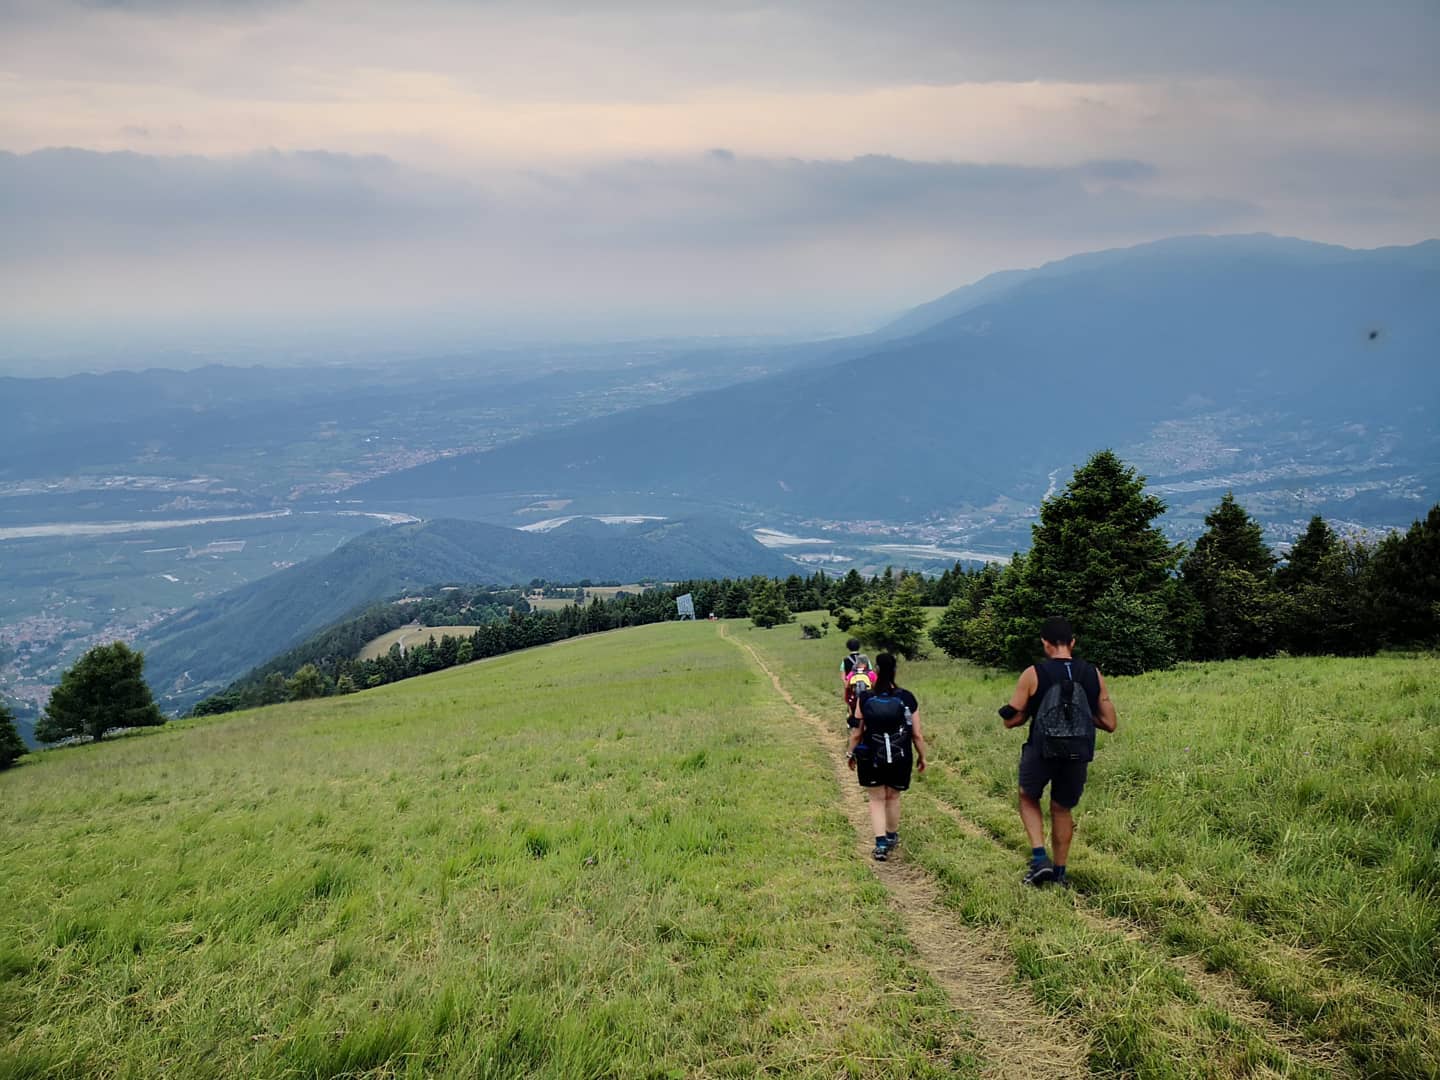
1065, 700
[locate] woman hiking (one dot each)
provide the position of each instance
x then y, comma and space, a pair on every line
885, 740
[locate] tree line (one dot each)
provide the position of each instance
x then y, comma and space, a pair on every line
1139, 602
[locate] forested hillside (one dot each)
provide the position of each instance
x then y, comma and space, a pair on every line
1277, 350
204, 648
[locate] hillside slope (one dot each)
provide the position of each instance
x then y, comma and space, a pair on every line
567, 862
209, 645
1291, 352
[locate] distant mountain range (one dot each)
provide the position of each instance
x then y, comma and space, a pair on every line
208, 646
1298, 352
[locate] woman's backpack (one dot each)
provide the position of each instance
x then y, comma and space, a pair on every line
887, 726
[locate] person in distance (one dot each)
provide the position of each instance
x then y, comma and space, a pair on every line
1065, 700
855, 674
885, 742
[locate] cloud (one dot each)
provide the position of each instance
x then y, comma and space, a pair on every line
142, 233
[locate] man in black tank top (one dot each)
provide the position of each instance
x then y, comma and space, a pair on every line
1065, 777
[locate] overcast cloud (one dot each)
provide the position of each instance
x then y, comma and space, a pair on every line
796, 167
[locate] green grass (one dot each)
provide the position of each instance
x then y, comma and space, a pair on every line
563, 863
625, 857
1279, 819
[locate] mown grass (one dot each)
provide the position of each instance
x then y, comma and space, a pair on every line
407, 637
610, 858
1279, 819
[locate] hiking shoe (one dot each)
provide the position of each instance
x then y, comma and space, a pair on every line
1040, 873
881, 852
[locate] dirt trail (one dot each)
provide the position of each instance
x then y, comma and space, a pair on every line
1017, 1037
1216, 987
1002, 1006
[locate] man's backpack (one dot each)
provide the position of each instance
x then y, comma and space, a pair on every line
1064, 726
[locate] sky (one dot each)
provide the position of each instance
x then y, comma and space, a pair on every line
175, 170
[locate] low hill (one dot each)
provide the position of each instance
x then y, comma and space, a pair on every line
206, 647
597, 873
1239, 360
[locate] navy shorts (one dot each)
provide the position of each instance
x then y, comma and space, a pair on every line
1066, 778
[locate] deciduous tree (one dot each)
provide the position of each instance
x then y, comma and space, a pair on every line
104, 690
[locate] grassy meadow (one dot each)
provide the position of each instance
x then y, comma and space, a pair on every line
625, 856
562, 863
407, 637
1274, 822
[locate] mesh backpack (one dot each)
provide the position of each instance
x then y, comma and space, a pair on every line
1064, 726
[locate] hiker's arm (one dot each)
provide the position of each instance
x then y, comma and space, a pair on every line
1107, 719
1024, 691
856, 733
919, 736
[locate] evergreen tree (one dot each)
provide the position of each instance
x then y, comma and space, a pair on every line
1319, 596
345, 684
305, 684
1097, 535
1230, 573
105, 689
1403, 584
767, 604
12, 747
895, 622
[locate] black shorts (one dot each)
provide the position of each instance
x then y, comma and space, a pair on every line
877, 772
1066, 778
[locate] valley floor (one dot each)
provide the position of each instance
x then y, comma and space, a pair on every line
639, 855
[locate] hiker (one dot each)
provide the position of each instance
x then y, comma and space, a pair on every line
1065, 700
855, 674
885, 736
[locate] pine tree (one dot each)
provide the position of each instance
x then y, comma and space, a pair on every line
1319, 596
895, 623
1230, 573
306, 683
767, 604
1097, 535
12, 747
1403, 583
104, 690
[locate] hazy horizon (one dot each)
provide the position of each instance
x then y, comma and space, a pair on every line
215, 176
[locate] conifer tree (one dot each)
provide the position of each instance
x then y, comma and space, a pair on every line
1230, 573
895, 623
1319, 595
12, 747
1403, 584
767, 604
1097, 535
306, 683
105, 689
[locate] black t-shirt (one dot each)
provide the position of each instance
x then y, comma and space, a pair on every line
1049, 672
905, 696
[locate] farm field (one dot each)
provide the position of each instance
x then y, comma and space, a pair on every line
407, 637
605, 592
602, 873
